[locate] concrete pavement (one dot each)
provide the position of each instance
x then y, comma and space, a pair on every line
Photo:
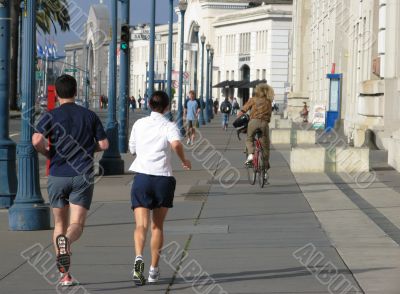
302, 233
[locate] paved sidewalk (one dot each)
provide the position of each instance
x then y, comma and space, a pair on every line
300, 234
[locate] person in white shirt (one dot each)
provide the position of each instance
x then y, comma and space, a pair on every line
152, 139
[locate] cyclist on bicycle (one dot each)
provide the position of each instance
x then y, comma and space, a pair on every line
261, 109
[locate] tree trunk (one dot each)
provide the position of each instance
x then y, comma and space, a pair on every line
15, 12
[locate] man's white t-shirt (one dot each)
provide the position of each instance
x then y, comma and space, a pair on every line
150, 140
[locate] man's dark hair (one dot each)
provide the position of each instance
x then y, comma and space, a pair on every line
159, 101
66, 87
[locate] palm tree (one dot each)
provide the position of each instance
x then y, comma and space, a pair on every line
51, 14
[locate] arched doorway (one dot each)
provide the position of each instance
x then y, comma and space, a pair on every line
245, 74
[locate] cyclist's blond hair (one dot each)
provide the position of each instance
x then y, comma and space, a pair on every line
264, 91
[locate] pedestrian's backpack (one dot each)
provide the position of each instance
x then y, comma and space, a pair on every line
226, 107
236, 105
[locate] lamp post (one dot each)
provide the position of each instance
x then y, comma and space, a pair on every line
211, 113
74, 62
170, 37
29, 211
182, 8
111, 161
165, 75
196, 30
147, 89
8, 174
152, 49
124, 82
87, 77
207, 116
185, 93
202, 113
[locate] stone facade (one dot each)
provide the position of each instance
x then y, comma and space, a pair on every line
361, 40
255, 33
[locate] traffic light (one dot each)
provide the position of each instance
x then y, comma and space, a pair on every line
125, 37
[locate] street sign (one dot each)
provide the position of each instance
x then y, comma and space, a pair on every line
70, 70
39, 75
144, 37
191, 47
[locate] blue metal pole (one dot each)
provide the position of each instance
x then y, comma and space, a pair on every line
169, 63
152, 49
147, 88
124, 85
74, 69
8, 174
111, 162
180, 108
207, 113
202, 113
210, 109
29, 211
196, 57
87, 77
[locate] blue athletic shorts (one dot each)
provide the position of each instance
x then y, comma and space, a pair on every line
152, 191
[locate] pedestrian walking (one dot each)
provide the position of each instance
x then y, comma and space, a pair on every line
304, 113
191, 112
216, 105
75, 134
140, 102
154, 185
235, 106
226, 108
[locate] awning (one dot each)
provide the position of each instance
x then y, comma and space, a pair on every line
238, 84
252, 84
223, 84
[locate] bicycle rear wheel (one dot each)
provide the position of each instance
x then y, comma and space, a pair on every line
262, 169
251, 173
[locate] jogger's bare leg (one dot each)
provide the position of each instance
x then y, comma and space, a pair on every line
142, 225
157, 234
77, 222
61, 221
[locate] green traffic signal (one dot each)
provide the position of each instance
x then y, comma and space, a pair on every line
125, 37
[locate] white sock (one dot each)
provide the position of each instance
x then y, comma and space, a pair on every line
153, 269
139, 257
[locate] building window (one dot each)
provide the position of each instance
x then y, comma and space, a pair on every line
245, 43
219, 46
258, 74
264, 74
261, 41
174, 49
227, 74
232, 75
230, 44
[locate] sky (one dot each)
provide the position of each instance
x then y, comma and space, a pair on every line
140, 13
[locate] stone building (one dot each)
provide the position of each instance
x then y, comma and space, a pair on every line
361, 41
250, 40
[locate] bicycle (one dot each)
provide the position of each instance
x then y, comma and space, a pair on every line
258, 165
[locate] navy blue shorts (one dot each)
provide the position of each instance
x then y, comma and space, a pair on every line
152, 191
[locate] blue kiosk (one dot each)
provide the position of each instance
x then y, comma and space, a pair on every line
335, 96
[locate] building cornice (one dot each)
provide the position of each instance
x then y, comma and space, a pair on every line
252, 14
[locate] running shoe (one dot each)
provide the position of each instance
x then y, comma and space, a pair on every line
154, 275
67, 281
188, 142
63, 254
138, 276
